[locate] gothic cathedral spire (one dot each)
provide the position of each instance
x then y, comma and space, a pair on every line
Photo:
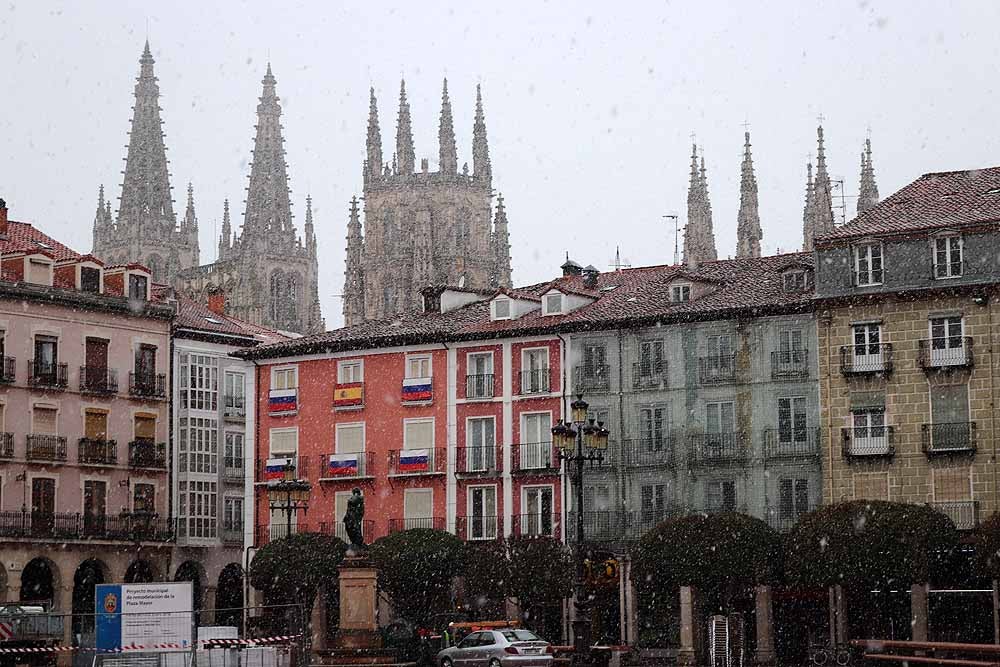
448, 152
748, 233
354, 286
501, 246
819, 221
405, 155
226, 238
268, 217
373, 165
807, 210
481, 168
868, 190
699, 238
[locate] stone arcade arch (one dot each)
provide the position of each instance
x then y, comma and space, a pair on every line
89, 573
141, 571
229, 596
194, 572
40, 582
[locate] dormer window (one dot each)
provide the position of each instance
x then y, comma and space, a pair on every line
553, 304
501, 309
137, 286
868, 268
40, 272
90, 279
680, 293
794, 281
948, 256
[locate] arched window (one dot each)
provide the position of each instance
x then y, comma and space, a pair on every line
293, 296
277, 295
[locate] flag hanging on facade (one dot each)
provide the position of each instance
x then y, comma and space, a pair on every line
414, 460
283, 400
275, 468
347, 395
417, 389
343, 465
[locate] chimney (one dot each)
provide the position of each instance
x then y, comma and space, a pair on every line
425, 165
217, 302
3, 218
571, 268
590, 275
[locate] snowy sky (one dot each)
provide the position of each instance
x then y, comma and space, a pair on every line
589, 107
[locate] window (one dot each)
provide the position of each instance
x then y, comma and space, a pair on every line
482, 513
90, 279
794, 281
501, 309
680, 293
553, 304
948, 257
350, 438
199, 444
145, 363
233, 452
720, 424
232, 514
653, 428
235, 394
596, 498
793, 500
535, 370
43, 420
868, 354
720, 495
418, 433
536, 441
95, 506
790, 346
144, 427
46, 358
947, 342
868, 433
144, 498
480, 442
199, 382
284, 442
536, 510
651, 361
950, 427
197, 508
720, 348
792, 420
479, 376
868, 264
95, 424
418, 508
350, 372
418, 366
137, 286
39, 273
284, 378
653, 502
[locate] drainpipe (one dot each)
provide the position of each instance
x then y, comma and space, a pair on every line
564, 357
827, 321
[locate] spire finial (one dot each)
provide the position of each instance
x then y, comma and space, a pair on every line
699, 237
405, 154
447, 150
868, 189
481, 167
373, 165
748, 232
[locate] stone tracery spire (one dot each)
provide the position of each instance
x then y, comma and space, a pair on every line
190, 221
867, 190
808, 209
405, 155
145, 197
373, 166
501, 245
309, 229
226, 237
354, 282
699, 237
481, 168
748, 233
820, 220
448, 152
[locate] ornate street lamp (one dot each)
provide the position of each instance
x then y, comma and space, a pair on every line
289, 494
579, 441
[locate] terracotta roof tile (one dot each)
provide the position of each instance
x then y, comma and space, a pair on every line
24, 237
197, 316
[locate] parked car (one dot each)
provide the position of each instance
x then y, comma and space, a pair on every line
505, 647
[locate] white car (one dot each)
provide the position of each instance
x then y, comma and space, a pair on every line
507, 647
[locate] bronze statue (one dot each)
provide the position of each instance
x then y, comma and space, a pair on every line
353, 518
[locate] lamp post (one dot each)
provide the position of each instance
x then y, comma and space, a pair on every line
288, 494
580, 440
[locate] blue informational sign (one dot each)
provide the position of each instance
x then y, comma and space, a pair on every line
108, 607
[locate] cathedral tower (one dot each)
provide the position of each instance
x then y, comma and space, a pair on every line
867, 190
699, 237
423, 227
146, 230
748, 234
819, 211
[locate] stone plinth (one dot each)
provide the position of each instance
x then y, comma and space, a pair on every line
358, 605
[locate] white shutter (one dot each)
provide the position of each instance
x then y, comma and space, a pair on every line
418, 503
350, 438
418, 435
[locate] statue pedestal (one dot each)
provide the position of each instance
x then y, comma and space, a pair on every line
358, 605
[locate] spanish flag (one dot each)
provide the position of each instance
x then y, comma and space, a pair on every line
348, 395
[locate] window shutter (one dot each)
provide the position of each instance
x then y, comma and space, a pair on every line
96, 425
419, 435
44, 422
350, 439
145, 427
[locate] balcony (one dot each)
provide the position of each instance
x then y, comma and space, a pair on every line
479, 461
147, 385
234, 407
45, 447
643, 521
865, 442
870, 359
298, 467
145, 453
263, 534
649, 452
97, 451
963, 513
232, 533
789, 364
479, 387
353, 465
417, 391
599, 526
337, 529
477, 528
536, 381
403, 462
937, 354
539, 458
47, 376
784, 519
6, 445
591, 378
428, 522
539, 524
717, 369
649, 375
785, 443
98, 380
718, 448
945, 439
233, 469
83, 526
8, 369
286, 401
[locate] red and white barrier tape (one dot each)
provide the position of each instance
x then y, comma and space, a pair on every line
152, 647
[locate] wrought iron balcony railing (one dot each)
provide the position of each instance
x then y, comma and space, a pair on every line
963, 513
600, 526
399, 525
592, 378
479, 386
483, 460
6, 445
541, 524
299, 467
536, 381
718, 448
8, 370
430, 461
649, 375
534, 457
234, 407
873, 358
650, 451
954, 438
337, 529
232, 533
945, 353
233, 469
146, 453
868, 442
98, 451
147, 385
47, 376
717, 369
98, 380
789, 364
791, 442
64, 526
42, 447
476, 528
348, 466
